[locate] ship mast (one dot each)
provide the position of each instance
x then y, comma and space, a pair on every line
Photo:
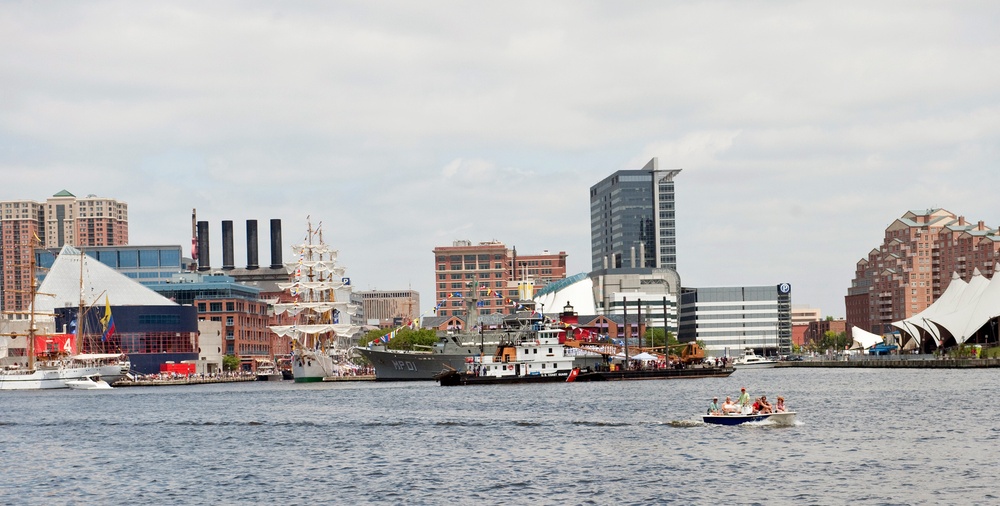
79, 311
30, 338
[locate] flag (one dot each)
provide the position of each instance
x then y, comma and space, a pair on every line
107, 321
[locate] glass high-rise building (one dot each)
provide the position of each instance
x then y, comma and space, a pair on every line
632, 219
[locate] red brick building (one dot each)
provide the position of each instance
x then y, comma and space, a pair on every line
914, 264
491, 273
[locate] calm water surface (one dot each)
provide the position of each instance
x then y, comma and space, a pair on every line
864, 436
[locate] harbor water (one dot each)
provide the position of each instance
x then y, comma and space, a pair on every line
865, 436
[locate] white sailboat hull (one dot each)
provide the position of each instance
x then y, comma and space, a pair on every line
56, 377
310, 366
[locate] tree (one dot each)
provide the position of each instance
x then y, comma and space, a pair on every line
834, 340
230, 363
655, 338
405, 339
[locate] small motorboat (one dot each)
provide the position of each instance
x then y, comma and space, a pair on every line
780, 418
92, 382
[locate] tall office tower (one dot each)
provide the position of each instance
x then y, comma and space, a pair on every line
63, 219
914, 265
632, 219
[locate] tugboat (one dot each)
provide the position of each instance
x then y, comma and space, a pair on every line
533, 355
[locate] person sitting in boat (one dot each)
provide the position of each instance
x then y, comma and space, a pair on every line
780, 406
728, 406
765, 407
755, 407
714, 408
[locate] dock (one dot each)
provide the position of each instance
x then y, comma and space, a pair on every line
359, 377
900, 363
180, 381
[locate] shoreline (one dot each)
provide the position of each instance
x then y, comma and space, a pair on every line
897, 363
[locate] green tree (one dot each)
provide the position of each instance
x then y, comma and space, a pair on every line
834, 340
406, 338
230, 363
654, 338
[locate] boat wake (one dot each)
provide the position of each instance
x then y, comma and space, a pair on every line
684, 423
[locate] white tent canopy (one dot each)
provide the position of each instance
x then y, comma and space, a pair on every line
946, 303
864, 339
955, 321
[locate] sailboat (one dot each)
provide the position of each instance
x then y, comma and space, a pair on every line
52, 359
320, 308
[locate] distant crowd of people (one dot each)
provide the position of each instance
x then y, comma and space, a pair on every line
760, 405
177, 375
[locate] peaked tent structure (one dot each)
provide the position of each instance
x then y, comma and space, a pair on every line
953, 322
968, 319
917, 324
864, 339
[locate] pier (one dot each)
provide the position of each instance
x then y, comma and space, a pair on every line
359, 377
124, 382
900, 363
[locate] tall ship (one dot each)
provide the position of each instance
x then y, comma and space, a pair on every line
317, 310
49, 359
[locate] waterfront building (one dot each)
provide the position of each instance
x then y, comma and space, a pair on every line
802, 314
389, 308
63, 219
491, 274
815, 330
914, 265
643, 296
145, 264
219, 298
729, 319
633, 220
149, 328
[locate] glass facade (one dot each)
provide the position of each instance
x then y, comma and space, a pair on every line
632, 213
729, 319
147, 264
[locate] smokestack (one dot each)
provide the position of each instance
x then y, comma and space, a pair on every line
642, 253
252, 245
203, 264
605, 262
633, 256
227, 245
276, 244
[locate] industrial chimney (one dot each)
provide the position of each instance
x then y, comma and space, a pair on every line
203, 256
252, 245
227, 245
276, 244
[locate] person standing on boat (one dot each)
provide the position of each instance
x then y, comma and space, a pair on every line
743, 401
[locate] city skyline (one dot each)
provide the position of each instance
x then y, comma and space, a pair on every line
802, 131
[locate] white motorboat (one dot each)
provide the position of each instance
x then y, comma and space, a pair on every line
93, 382
780, 418
751, 360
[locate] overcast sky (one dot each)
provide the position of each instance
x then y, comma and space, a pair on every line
803, 128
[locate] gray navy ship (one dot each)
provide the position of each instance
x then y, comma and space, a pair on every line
450, 352
453, 349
